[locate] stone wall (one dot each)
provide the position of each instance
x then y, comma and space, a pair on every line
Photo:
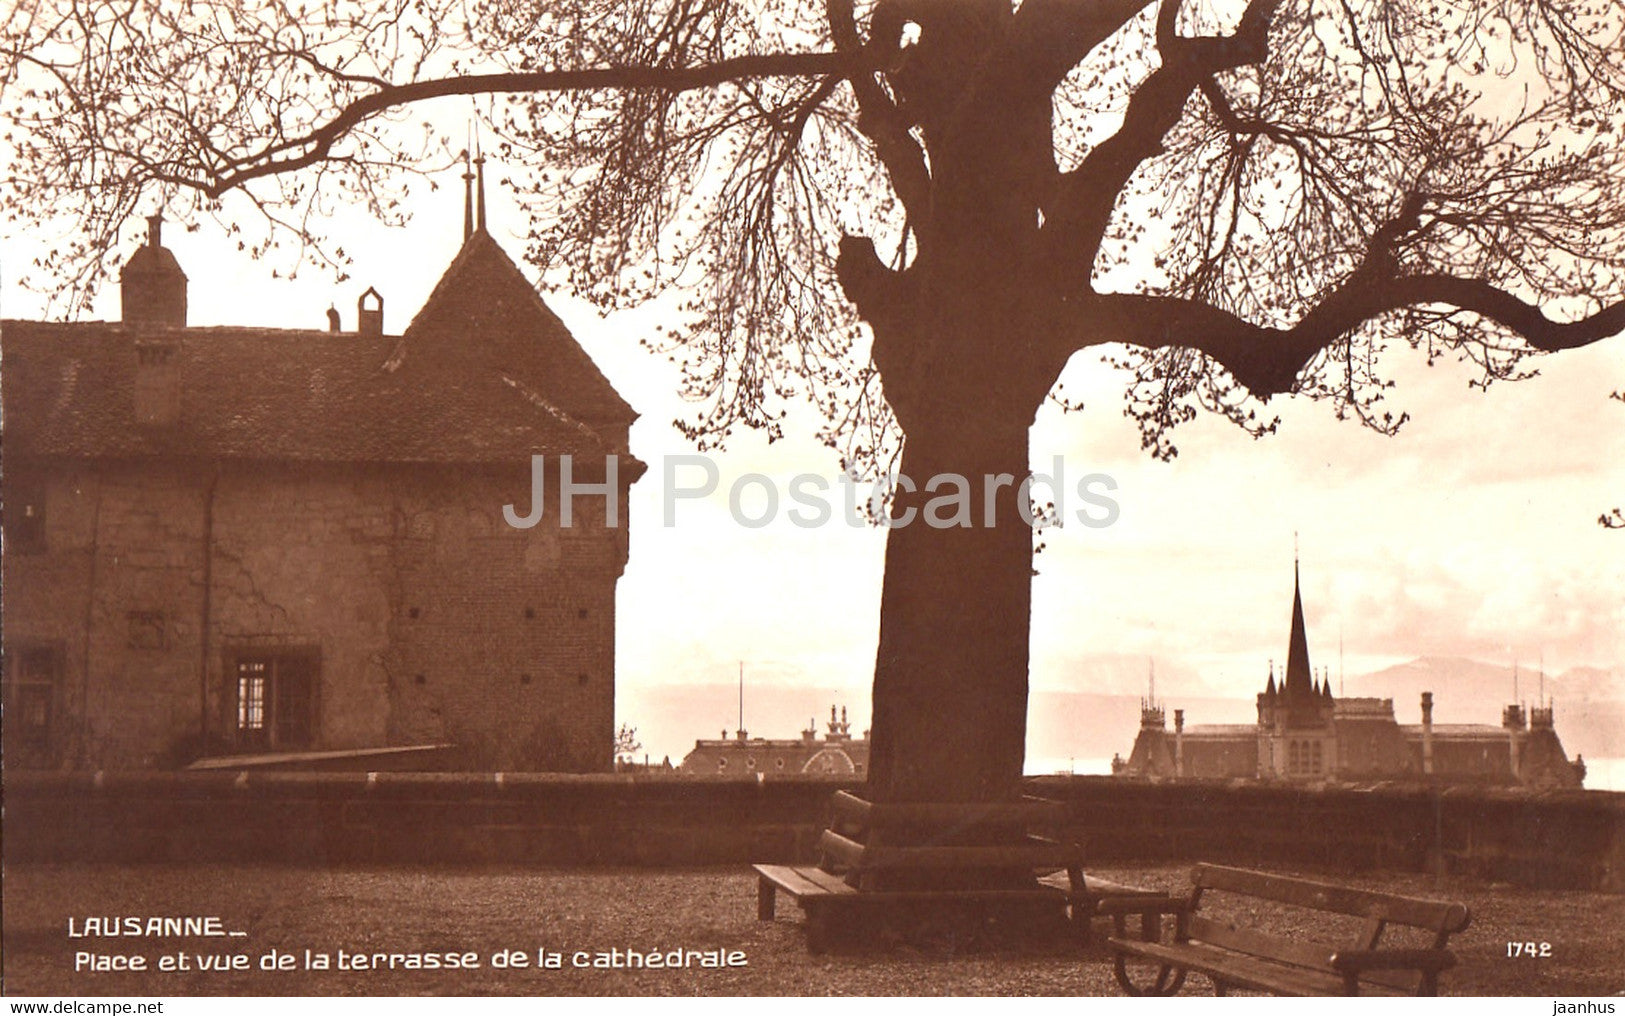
1560, 839
428, 618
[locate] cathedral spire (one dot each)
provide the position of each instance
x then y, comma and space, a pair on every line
479, 185
1298, 681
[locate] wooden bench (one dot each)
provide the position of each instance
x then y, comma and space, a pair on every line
869, 844
824, 897
1244, 957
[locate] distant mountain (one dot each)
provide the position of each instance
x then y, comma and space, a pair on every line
1472, 691
1123, 674
1589, 701
1063, 725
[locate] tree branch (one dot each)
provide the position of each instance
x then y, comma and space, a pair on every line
317, 144
878, 117
1267, 361
884, 297
1085, 198
1053, 36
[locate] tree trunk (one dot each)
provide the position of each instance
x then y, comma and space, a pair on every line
950, 691
963, 355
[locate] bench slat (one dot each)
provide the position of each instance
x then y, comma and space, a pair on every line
1257, 943
843, 852
1437, 916
1031, 855
849, 853
792, 880
827, 882
1094, 886
814, 884
851, 806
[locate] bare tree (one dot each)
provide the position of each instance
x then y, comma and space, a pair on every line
627, 745
949, 198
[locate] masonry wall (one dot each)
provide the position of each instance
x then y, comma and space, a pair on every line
429, 619
116, 592
1567, 839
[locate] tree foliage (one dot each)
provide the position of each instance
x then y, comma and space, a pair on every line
627, 744
1234, 199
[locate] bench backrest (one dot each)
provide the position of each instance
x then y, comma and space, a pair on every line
1439, 917
1378, 911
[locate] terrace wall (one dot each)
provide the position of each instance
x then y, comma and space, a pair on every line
1560, 839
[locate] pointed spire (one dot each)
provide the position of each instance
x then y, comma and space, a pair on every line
479, 186
1297, 682
468, 198
1269, 689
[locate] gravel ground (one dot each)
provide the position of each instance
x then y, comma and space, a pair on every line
368, 910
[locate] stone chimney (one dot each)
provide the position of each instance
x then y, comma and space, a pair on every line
1427, 733
152, 285
369, 319
1179, 742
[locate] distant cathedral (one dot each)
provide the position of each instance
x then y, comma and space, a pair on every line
1304, 733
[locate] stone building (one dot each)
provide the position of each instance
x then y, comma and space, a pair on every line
254, 541
1306, 733
838, 753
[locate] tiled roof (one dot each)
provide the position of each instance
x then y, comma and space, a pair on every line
1457, 730
501, 382
483, 301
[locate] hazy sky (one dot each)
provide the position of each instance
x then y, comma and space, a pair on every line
1471, 533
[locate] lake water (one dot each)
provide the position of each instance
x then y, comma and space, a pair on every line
1601, 773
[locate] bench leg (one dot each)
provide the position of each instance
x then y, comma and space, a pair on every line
766, 896
1082, 915
818, 931
1168, 981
